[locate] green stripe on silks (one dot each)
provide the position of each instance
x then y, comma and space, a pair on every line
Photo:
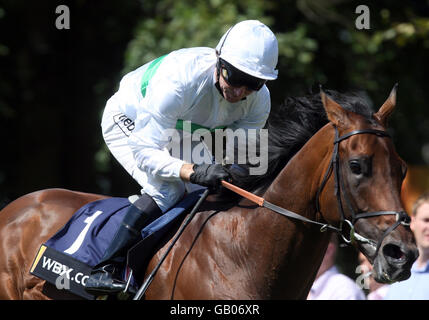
193, 126
150, 71
148, 74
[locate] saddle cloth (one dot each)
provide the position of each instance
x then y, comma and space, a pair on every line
66, 259
88, 233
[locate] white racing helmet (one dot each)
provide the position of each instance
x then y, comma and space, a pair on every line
251, 47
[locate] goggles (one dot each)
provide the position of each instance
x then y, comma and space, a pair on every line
238, 78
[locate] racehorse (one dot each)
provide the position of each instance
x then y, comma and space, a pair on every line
344, 178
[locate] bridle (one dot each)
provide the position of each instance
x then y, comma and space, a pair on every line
339, 190
334, 167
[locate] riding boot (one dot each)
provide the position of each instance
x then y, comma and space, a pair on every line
104, 276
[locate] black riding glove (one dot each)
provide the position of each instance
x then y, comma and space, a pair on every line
208, 175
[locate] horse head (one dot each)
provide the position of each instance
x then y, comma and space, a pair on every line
368, 174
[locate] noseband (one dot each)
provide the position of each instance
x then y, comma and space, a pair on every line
334, 166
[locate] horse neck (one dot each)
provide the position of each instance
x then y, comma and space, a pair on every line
295, 249
297, 184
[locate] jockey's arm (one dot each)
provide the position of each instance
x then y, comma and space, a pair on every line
186, 171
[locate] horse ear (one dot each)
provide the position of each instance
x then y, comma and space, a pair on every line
387, 108
336, 113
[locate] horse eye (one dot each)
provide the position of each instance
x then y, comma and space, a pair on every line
355, 167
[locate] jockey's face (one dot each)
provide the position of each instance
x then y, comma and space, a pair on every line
233, 94
234, 83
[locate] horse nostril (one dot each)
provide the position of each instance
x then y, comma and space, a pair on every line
394, 252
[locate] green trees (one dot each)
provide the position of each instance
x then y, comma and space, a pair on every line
54, 84
319, 43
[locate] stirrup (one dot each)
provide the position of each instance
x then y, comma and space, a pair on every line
102, 282
129, 290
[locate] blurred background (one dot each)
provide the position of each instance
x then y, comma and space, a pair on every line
54, 82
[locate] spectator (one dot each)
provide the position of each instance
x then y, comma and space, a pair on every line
330, 284
377, 291
417, 286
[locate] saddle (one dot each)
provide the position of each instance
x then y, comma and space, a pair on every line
67, 258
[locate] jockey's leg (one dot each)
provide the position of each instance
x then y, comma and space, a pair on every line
103, 276
158, 196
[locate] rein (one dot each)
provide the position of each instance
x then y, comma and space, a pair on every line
334, 167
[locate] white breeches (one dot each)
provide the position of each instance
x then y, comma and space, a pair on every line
116, 128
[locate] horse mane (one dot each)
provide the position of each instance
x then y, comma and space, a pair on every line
290, 125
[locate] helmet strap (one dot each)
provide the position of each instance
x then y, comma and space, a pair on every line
218, 62
217, 84
217, 69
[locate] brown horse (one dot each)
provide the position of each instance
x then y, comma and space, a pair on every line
250, 252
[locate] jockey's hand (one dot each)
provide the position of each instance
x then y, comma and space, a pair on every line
209, 175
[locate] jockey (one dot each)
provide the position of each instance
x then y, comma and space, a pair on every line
211, 88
